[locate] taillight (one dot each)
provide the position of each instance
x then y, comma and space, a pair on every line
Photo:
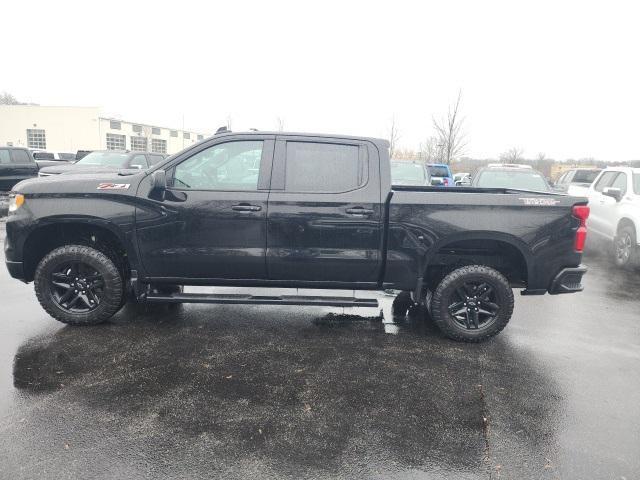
581, 212
446, 182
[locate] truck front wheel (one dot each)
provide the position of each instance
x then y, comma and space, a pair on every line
79, 285
472, 303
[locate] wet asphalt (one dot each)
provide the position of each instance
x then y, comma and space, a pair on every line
286, 392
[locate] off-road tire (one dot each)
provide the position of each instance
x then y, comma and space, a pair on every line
113, 290
445, 295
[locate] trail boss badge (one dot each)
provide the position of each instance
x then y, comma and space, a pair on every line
542, 202
113, 186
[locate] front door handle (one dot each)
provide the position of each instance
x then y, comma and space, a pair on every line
246, 208
359, 211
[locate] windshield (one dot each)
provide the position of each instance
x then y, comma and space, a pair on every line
518, 179
437, 171
407, 173
585, 176
104, 159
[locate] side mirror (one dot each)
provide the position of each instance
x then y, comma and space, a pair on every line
613, 193
158, 181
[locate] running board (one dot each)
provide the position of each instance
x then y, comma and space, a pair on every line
262, 300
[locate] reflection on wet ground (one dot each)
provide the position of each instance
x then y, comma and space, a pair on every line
275, 392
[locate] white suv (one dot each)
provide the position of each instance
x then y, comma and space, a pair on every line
614, 199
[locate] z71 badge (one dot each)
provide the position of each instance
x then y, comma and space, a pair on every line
542, 202
113, 186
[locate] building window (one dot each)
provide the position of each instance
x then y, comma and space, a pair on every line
174, 133
155, 130
116, 142
136, 128
139, 144
158, 145
36, 138
115, 125
186, 135
200, 137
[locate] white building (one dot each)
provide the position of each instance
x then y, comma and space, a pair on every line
69, 129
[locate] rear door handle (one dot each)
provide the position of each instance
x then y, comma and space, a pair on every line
359, 211
246, 208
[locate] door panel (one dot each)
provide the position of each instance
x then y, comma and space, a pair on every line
218, 232
324, 236
599, 204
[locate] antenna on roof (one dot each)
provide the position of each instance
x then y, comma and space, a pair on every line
222, 130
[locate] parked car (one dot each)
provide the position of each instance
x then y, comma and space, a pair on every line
49, 159
525, 178
16, 164
614, 198
441, 173
409, 173
104, 161
56, 156
576, 181
462, 179
321, 214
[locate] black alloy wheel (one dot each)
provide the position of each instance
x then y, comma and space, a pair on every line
76, 287
474, 305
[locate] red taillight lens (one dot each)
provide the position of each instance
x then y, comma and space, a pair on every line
446, 181
581, 212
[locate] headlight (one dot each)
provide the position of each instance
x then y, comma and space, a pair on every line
15, 202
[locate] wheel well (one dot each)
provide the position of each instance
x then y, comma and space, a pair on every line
46, 238
625, 222
497, 254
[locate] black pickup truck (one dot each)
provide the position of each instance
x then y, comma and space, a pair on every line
290, 210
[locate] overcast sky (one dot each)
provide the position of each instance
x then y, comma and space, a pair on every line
561, 78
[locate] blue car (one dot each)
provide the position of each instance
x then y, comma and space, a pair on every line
441, 171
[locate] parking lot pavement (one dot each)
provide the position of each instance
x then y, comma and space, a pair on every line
274, 392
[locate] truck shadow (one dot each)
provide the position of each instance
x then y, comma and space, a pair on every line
292, 390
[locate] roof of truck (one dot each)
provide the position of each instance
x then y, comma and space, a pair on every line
303, 134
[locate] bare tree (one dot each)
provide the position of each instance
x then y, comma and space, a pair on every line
541, 157
513, 155
431, 151
449, 132
394, 136
8, 99
280, 124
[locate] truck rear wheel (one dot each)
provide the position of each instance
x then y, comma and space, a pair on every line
472, 303
79, 285
624, 247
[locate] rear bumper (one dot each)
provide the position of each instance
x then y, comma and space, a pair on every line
568, 280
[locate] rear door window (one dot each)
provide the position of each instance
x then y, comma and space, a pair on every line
5, 158
324, 167
21, 157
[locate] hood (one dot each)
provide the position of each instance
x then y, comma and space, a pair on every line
83, 182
